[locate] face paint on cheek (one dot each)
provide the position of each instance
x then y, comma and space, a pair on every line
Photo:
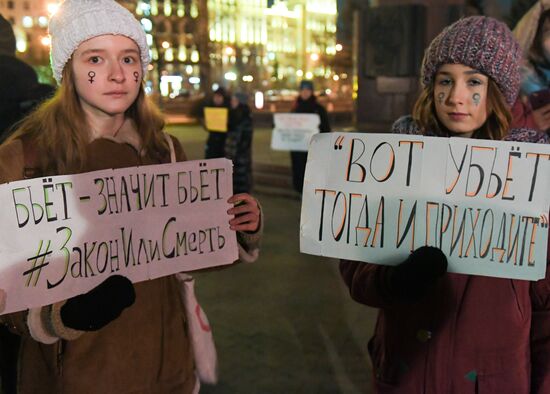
136, 76
91, 74
441, 97
476, 98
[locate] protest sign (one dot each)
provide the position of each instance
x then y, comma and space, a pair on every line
63, 235
216, 119
377, 197
293, 131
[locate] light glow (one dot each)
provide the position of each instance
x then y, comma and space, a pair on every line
46, 41
52, 8
230, 76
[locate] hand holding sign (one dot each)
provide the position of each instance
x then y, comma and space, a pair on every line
410, 280
101, 305
246, 211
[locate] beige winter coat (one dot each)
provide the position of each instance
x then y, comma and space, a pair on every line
145, 350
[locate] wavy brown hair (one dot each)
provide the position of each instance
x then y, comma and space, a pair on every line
496, 127
60, 130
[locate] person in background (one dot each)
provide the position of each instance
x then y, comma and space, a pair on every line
533, 35
238, 143
306, 103
441, 332
215, 144
120, 337
20, 91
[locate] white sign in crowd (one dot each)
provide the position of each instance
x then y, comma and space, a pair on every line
63, 235
377, 197
294, 131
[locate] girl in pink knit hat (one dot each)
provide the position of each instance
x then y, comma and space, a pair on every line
120, 337
440, 332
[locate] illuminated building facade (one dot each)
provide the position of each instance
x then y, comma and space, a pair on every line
249, 44
252, 44
177, 35
260, 44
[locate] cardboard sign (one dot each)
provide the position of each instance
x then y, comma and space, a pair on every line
63, 235
377, 197
294, 131
216, 119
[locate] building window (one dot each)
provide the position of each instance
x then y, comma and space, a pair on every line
26, 5
11, 5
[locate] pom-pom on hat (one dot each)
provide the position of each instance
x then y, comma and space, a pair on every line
79, 20
481, 43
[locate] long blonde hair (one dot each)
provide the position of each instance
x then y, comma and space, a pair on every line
496, 127
60, 130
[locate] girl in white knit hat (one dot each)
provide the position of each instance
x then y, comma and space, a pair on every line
119, 337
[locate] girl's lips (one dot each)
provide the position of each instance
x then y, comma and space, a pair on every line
457, 116
115, 94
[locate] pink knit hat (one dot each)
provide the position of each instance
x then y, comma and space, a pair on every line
481, 43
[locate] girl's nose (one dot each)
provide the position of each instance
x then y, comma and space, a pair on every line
116, 73
457, 95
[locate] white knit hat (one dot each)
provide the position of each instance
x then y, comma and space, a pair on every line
79, 20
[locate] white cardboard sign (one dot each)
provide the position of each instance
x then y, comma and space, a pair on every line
294, 131
63, 235
377, 197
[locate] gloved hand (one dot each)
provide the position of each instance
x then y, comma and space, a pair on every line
411, 280
100, 306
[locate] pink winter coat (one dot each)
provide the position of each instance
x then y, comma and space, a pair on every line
471, 334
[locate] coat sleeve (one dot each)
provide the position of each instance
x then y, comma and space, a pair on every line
249, 243
522, 115
540, 332
324, 127
232, 141
178, 148
367, 283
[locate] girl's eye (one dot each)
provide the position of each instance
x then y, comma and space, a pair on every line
444, 82
94, 59
128, 60
475, 82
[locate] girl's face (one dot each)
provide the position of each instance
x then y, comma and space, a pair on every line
545, 39
107, 73
460, 96
305, 94
218, 99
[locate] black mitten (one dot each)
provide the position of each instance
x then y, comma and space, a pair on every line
411, 280
101, 305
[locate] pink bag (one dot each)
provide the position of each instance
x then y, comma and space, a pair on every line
202, 341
